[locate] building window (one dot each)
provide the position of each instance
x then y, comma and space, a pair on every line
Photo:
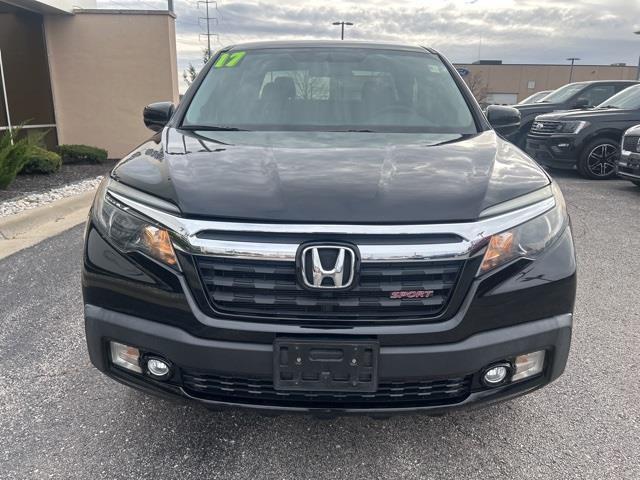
531, 84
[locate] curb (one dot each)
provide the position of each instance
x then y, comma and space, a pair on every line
32, 226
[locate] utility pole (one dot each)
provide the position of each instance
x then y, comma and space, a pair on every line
342, 24
207, 18
572, 59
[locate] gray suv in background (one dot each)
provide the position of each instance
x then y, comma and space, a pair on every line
578, 95
628, 166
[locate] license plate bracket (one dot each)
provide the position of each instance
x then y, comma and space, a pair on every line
325, 366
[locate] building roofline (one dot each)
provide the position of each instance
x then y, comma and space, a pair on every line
123, 11
39, 7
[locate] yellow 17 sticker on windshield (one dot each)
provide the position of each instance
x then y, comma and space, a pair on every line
229, 60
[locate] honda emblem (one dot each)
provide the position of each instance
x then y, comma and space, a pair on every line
327, 267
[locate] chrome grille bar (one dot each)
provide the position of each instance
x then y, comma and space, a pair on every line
473, 234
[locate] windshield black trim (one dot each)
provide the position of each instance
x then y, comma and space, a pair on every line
214, 128
326, 128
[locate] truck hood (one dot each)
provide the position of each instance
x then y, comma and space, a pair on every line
595, 114
537, 108
322, 177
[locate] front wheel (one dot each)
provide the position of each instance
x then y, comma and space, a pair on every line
636, 183
598, 159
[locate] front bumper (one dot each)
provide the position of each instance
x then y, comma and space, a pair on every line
628, 167
463, 359
557, 151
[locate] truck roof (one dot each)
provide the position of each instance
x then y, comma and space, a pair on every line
327, 43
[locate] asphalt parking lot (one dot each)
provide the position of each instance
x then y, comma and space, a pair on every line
60, 418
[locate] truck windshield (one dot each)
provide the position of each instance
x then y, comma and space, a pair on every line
535, 98
563, 93
330, 89
627, 99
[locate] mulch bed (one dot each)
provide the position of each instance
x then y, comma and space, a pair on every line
39, 183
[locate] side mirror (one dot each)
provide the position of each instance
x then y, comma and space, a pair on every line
157, 115
581, 102
504, 120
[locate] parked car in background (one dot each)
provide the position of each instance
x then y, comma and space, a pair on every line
345, 232
586, 139
628, 167
535, 98
579, 95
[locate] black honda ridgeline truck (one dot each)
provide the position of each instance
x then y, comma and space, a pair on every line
329, 228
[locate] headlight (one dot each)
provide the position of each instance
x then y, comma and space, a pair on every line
572, 127
129, 231
529, 239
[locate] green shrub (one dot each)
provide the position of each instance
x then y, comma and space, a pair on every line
12, 156
40, 160
82, 154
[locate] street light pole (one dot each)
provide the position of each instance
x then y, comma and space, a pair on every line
638, 75
342, 24
573, 59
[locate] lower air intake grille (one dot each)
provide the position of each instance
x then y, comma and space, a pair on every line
271, 289
260, 391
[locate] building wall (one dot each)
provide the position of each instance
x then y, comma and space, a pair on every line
515, 78
25, 70
106, 66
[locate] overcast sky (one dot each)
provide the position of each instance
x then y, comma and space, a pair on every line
524, 31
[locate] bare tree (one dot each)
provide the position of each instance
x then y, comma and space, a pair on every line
191, 72
309, 87
478, 86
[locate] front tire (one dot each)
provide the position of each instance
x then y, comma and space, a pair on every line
598, 159
636, 183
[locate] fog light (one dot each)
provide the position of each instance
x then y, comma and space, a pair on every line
528, 365
158, 368
496, 374
125, 356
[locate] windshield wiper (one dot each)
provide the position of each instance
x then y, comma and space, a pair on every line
355, 130
212, 128
608, 106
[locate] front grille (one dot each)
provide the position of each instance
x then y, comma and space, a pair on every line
630, 143
390, 394
271, 289
544, 128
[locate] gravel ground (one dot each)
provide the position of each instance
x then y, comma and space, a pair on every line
60, 418
25, 185
34, 200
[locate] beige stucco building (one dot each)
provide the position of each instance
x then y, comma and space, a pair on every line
510, 83
82, 74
